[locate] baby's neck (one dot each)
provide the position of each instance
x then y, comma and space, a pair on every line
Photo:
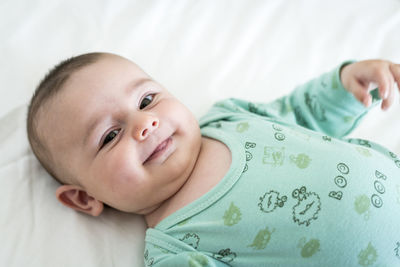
212, 164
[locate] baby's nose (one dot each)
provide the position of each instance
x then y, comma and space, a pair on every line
146, 126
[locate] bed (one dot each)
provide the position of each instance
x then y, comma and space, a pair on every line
202, 51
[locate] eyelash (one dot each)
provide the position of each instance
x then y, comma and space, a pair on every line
141, 102
116, 131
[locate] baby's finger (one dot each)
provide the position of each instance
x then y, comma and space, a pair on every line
395, 69
386, 103
384, 85
361, 93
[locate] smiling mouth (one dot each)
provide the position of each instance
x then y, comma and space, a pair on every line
159, 150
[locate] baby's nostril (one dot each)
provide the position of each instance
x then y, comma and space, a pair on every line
154, 123
144, 132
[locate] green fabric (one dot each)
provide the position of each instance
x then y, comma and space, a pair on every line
297, 193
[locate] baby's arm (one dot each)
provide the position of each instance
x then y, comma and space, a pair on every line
360, 77
331, 103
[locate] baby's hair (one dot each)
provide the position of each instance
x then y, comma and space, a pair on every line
51, 84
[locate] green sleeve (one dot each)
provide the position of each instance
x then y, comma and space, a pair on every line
322, 104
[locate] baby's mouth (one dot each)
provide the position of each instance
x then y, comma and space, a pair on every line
159, 150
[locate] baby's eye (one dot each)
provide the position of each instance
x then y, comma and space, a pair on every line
109, 137
146, 101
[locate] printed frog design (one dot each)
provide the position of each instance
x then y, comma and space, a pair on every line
262, 239
364, 151
397, 250
362, 205
302, 160
241, 127
307, 207
191, 239
308, 248
249, 145
148, 261
327, 138
274, 156
315, 107
367, 256
197, 260
232, 215
225, 255
253, 108
380, 175
363, 142
348, 119
270, 201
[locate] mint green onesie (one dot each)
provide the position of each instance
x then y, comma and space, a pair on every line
297, 193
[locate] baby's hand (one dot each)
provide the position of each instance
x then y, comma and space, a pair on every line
361, 77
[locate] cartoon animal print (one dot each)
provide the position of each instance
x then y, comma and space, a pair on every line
364, 151
274, 156
307, 207
308, 248
148, 261
301, 160
327, 138
256, 109
278, 135
262, 239
362, 205
232, 215
343, 168
191, 239
315, 107
397, 250
197, 260
282, 106
340, 181
379, 187
300, 118
348, 119
270, 201
336, 194
367, 256
364, 142
216, 124
397, 162
249, 156
242, 127
376, 201
277, 127
380, 175
225, 255
249, 145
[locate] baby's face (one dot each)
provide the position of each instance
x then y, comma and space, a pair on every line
124, 139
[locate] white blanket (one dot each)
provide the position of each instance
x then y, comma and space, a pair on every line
202, 51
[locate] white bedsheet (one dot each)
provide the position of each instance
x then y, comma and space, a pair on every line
202, 51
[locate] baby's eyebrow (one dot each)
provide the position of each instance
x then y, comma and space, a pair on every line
132, 86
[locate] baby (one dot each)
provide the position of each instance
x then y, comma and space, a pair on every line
250, 184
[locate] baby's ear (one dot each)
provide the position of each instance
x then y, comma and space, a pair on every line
74, 197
